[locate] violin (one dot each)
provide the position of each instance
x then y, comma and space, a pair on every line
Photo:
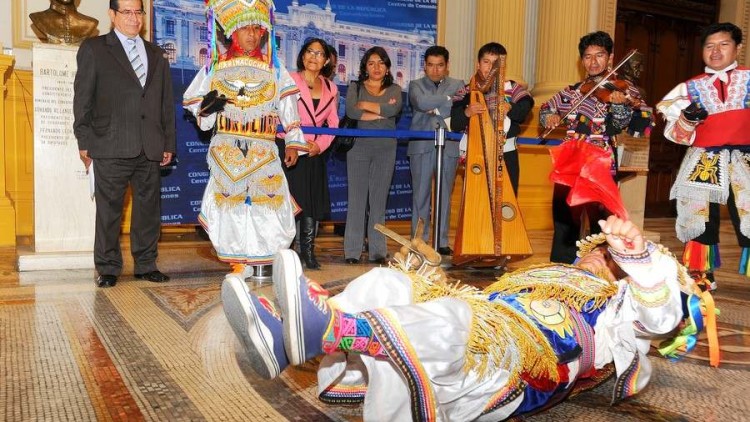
604, 91
595, 85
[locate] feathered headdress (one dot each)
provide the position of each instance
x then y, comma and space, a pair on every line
234, 14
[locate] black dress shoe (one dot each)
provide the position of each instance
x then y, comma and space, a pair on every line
352, 261
445, 250
378, 261
155, 276
106, 280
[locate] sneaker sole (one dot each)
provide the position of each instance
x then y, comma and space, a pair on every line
244, 320
286, 272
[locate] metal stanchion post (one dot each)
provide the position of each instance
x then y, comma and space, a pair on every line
436, 202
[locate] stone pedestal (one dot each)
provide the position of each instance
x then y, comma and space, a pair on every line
64, 210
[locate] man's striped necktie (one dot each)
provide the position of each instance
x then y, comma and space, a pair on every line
136, 62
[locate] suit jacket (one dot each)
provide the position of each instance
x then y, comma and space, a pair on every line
424, 97
114, 116
327, 111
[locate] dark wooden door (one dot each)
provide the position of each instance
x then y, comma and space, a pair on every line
668, 35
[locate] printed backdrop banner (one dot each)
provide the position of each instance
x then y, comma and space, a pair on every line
405, 28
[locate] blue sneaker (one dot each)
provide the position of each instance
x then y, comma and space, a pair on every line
304, 310
257, 324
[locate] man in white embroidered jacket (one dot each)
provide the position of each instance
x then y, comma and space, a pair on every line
711, 114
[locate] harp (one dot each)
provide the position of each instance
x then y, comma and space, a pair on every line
490, 227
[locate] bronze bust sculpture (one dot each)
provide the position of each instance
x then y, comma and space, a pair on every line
632, 70
63, 24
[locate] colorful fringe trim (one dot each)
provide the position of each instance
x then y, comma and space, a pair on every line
566, 283
700, 257
744, 258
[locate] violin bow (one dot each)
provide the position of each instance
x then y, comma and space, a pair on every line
578, 103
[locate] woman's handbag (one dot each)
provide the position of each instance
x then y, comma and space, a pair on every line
343, 143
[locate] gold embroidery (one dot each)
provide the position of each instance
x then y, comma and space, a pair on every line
261, 128
229, 201
566, 283
271, 183
707, 169
273, 201
650, 297
245, 82
238, 166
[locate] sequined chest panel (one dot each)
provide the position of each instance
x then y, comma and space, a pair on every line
250, 86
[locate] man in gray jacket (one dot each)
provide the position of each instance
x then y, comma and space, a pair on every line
431, 98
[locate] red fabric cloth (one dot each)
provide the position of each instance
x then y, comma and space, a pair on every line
586, 169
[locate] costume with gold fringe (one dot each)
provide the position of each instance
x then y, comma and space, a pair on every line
247, 209
455, 352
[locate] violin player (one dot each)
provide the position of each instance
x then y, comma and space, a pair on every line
614, 106
710, 113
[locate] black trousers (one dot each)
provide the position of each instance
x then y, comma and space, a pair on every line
567, 224
112, 177
514, 169
711, 235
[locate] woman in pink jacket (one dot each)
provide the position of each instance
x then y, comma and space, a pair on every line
317, 106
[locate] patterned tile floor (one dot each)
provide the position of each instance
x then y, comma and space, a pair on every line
164, 352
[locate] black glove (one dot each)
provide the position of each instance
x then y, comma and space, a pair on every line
212, 103
695, 113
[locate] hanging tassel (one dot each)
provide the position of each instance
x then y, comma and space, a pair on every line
712, 334
700, 257
212, 47
273, 48
700, 315
744, 258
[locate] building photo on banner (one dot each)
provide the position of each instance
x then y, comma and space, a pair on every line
404, 28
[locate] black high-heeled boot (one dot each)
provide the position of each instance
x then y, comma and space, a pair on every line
307, 243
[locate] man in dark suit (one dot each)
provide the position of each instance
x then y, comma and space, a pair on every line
125, 125
431, 100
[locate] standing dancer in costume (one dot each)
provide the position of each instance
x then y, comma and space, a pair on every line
242, 95
411, 344
595, 122
711, 114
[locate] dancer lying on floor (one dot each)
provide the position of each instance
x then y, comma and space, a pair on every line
412, 346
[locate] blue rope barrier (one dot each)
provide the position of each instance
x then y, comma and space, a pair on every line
376, 133
403, 134
537, 141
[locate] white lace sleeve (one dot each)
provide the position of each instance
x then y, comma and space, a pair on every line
676, 130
